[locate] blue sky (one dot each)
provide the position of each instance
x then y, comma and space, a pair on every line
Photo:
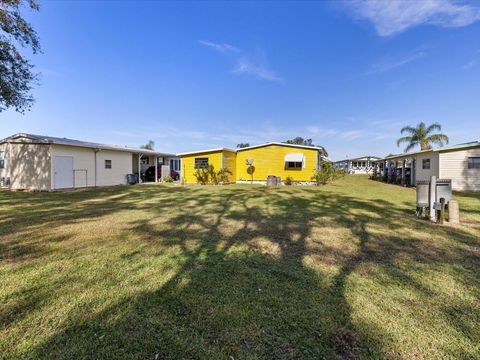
195, 75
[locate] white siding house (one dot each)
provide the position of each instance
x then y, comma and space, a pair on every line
33, 162
459, 163
361, 165
463, 167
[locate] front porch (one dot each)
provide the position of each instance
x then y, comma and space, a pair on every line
149, 167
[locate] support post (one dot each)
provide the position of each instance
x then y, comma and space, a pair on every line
432, 197
403, 172
453, 212
139, 168
441, 214
412, 172
155, 158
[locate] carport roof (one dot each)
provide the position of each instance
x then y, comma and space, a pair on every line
469, 145
71, 142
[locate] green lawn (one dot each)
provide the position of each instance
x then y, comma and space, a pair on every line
237, 272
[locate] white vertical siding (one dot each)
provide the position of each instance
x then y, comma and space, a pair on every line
425, 174
121, 166
454, 165
83, 162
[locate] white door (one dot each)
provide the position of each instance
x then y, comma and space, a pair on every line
62, 172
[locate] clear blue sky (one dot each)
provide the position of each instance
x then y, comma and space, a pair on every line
194, 75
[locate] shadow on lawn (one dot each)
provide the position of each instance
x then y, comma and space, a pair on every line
235, 297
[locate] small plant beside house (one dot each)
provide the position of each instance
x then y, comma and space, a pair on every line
327, 173
208, 175
202, 176
212, 175
168, 179
222, 176
288, 181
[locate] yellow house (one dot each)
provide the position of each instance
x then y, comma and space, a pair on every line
220, 158
256, 163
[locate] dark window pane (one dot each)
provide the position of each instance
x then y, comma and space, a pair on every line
474, 163
426, 164
201, 163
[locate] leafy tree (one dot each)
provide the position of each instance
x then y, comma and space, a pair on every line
150, 145
16, 72
422, 135
242, 145
306, 142
300, 141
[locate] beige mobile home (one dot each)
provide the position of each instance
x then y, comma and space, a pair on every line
460, 163
33, 162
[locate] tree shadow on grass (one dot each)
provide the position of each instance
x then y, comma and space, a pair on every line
243, 288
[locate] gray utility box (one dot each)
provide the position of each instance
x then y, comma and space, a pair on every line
165, 171
273, 180
444, 190
423, 193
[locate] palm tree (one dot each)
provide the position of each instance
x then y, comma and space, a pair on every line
422, 135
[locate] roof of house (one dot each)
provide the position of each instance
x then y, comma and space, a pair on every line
463, 146
318, 148
252, 147
205, 151
71, 142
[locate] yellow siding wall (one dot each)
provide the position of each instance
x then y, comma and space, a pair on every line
230, 163
188, 164
270, 160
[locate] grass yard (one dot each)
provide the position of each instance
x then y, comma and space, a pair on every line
237, 272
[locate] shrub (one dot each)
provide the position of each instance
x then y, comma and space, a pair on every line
202, 176
212, 174
327, 173
222, 176
288, 180
168, 179
209, 175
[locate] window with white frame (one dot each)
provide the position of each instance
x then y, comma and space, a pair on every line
474, 162
293, 165
2, 159
108, 164
201, 163
426, 164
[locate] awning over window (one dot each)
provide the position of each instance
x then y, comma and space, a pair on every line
296, 157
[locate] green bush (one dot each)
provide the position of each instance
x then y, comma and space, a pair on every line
222, 176
202, 176
327, 173
210, 176
168, 179
288, 180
